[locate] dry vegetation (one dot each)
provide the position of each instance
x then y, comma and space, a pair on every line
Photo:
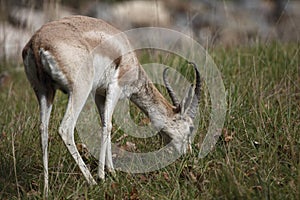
257, 156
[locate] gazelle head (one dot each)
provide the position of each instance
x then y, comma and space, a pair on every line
180, 126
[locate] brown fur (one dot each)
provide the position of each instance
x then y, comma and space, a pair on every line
71, 31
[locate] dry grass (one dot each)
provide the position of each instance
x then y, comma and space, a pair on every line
257, 156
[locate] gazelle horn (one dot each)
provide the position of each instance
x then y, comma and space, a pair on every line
195, 102
170, 90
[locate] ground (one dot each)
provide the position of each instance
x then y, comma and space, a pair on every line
257, 156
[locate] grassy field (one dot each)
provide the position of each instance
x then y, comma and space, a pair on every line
257, 156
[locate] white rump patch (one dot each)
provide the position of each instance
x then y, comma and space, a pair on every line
52, 68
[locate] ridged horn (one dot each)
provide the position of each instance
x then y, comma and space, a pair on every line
196, 98
170, 90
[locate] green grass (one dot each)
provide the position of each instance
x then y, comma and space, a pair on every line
257, 157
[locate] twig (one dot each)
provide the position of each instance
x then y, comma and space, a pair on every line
15, 163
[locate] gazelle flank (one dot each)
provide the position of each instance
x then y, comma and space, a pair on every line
63, 55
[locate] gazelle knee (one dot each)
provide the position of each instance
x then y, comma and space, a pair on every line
65, 133
44, 133
107, 128
106, 132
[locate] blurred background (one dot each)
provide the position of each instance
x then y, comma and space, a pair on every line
211, 22
254, 43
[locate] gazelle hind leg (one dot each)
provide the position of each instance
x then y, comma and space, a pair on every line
45, 102
105, 155
77, 99
45, 95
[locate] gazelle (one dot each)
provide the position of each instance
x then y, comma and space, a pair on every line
61, 55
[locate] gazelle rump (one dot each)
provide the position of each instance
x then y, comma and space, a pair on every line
61, 55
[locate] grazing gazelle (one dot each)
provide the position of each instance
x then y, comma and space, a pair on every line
61, 55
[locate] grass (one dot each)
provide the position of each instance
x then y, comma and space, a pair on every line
257, 156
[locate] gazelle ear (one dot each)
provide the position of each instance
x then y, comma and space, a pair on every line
186, 101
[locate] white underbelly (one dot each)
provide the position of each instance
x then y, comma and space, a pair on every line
105, 72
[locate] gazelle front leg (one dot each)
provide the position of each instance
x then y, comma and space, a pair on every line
100, 102
105, 156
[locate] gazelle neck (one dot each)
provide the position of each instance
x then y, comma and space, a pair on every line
151, 101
